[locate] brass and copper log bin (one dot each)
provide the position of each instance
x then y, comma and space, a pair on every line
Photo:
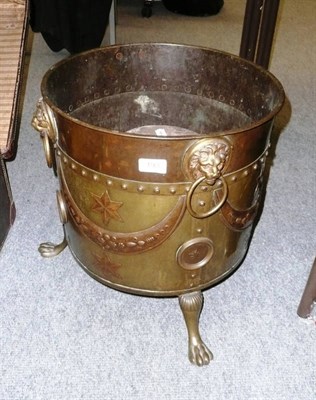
160, 151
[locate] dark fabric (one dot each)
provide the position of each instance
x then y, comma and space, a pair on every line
75, 25
194, 7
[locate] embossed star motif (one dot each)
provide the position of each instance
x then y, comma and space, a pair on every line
106, 207
107, 266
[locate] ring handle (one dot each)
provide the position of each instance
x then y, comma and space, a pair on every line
49, 156
44, 122
214, 209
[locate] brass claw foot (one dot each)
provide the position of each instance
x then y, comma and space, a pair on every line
191, 306
49, 249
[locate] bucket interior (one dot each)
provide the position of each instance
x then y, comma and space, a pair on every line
162, 90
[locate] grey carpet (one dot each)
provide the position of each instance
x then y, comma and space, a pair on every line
65, 336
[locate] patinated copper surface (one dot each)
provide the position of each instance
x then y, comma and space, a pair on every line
160, 151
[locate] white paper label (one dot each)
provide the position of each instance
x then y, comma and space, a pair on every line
160, 132
158, 166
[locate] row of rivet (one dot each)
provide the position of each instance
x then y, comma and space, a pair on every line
206, 92
161, 188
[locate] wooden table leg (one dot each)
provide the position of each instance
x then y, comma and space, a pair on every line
250, 31
308, 299
267, 28
258, 30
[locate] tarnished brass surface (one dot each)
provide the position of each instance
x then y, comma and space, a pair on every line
44, 122
191, 306
160, 151
49, 249
195, 253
